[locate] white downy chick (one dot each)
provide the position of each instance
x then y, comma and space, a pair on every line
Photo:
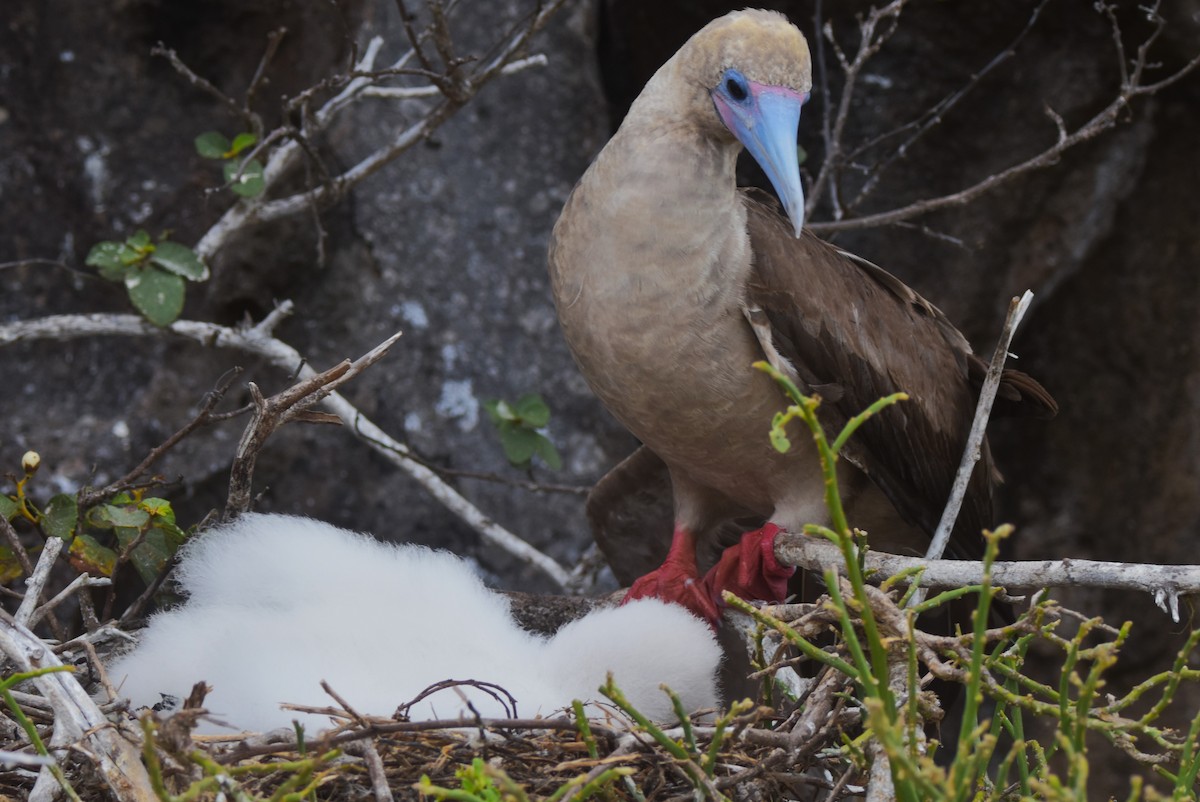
278, 603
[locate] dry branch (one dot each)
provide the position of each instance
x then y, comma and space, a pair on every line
983, 410
1165, 582
259, 340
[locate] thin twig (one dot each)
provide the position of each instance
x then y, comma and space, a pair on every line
932, 116
92, 496
974, 447
79, 582
1100, 122
199, 82
463, 88
15, 545
869, 45
37, 580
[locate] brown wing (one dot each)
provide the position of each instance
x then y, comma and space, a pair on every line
855, 333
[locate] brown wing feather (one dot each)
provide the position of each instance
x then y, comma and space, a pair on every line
877, 338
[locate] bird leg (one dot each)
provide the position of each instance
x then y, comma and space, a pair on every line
750, 570
678, 580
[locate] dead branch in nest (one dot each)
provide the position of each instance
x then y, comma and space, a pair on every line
258, 340
79, 725
1133, 85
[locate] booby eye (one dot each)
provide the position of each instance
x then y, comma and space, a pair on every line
736, 86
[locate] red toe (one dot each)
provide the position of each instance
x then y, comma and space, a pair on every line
750, 570
677, 581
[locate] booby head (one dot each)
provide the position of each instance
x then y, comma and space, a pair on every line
757, 70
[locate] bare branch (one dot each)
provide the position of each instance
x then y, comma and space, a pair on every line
983, 410
273, 41
932, 116
455, 94
1130, 89
258, 340
81, 581
1164, 582
869, 43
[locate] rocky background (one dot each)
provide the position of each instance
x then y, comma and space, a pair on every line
448, 244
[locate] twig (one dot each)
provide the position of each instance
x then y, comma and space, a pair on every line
196, 80
1130, 89
463, 88
273, 41
37, 580
14, 543
258, 340
92, 496
288, 405
413, 92
974, 447
933, 115
81, 581
868, 46
376, 771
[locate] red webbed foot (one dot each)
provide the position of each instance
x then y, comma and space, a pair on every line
749, 569
677, 580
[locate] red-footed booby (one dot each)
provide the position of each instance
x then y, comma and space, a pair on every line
670, 282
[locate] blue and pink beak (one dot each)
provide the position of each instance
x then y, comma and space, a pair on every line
765, 120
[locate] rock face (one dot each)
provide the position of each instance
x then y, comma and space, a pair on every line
448, 245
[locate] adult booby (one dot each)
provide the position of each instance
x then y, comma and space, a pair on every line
670, 282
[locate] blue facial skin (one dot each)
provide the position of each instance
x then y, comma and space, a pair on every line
765, 120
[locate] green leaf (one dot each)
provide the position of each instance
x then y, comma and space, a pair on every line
519, 443
240, 143
159, 508
212, 145
499, 411
180, 260
59, 516
157, 294
112, 515
780, 441
157, 547
112, 259
251, 182
533, 410
140, 241
10, 566
88, 556
8, 508
548, 453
